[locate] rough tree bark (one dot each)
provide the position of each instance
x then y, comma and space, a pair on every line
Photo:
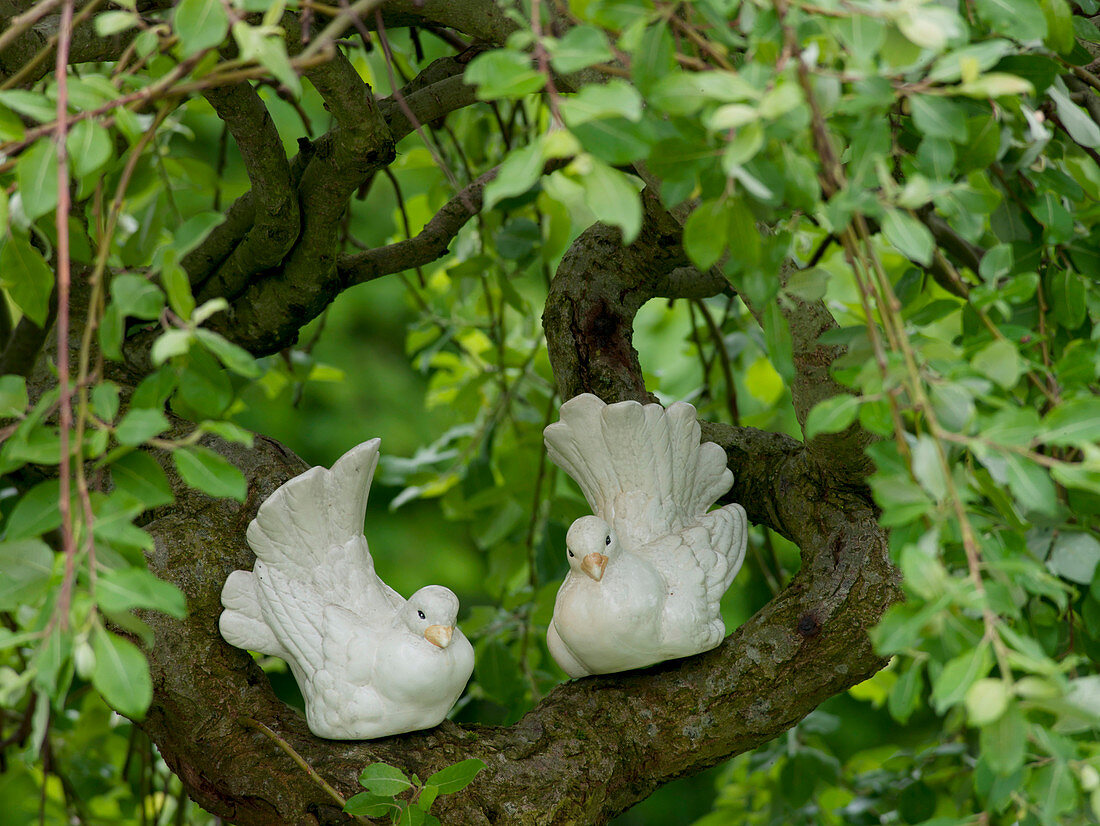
593, 747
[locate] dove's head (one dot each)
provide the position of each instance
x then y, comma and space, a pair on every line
590, 544
431, 613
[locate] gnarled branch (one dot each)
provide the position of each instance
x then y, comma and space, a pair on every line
593, 747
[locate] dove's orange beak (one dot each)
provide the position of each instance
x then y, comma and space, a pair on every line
439, 635
593, 564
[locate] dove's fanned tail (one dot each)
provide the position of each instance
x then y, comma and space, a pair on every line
625, 447
318, 510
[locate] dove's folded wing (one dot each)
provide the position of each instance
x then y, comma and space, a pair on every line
293, 611
242, 622
727, 536
348, 578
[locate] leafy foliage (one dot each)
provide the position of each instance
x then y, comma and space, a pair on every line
384, 783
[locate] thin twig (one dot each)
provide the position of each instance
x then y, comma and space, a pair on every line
407, 110
68, 540
302, 764
723, 360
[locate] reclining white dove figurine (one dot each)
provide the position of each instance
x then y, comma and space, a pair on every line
648, 571
368, 662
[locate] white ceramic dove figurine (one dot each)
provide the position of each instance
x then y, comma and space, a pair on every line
369, 663
647, 572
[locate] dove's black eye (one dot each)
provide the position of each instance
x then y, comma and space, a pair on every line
570, 552
421, 614
607, 541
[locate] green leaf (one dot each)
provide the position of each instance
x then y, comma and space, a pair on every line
110, 23
1053, 789
128, 588
200, 24
13, 396
996, 85
50, 662
519, 172
171, 343
427, 797
1000, 361
27, 278
503, 73
1075, 556
105, 401
613, 199
497, 671
1020, 19
34, 105
939, 117
27, 565
233, 356
205, 470
384, 779
137, 297
177, 287
35, 513
744, 242
204, 387
905, 696
114, 525
580, 47
121, 674
411, 816
778, 341
11, 128
929, 26
266, 46
910, 236
959, 674
367, 804
831, 415
1059, 18
89, 147
140, 425
1071, 423
194, 230
139, 476
613, 99
229, 431
982, 55
1030, 484
456, 777
744, 146
1080, 126
36, 173
706, 233
986, 700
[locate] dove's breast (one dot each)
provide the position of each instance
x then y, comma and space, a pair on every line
613, 625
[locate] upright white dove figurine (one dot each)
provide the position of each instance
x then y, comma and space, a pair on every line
369, 663
647, 572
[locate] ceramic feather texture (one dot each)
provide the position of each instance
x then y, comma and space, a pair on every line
648, 569
369, 662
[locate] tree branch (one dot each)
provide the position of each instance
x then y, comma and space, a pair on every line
430, 244
276, 224
267, 316
593, 747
